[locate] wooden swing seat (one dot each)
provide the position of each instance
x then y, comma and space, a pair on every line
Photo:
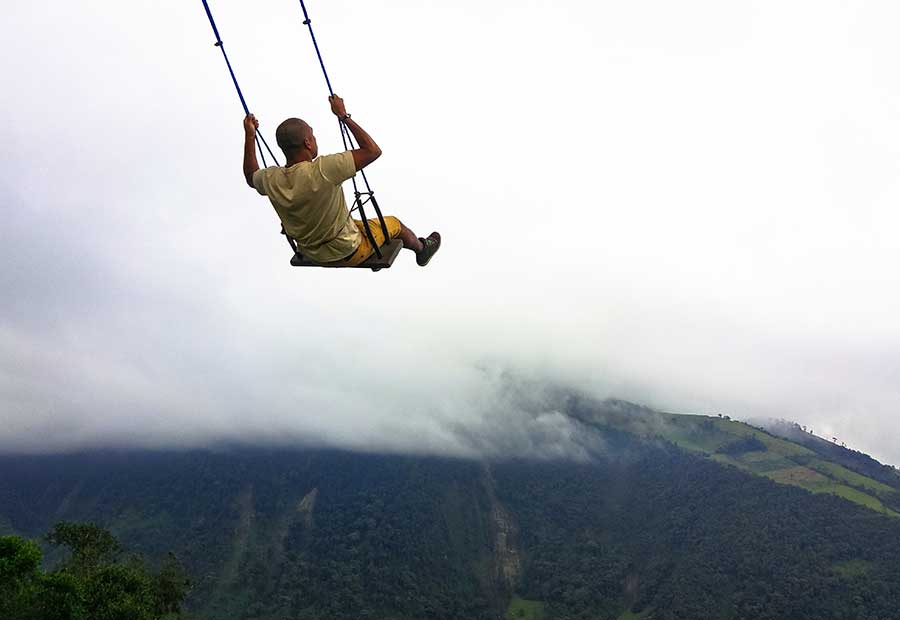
389, 252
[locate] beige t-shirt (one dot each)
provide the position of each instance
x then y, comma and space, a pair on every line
310, 202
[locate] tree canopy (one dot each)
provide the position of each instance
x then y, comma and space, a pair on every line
93, 583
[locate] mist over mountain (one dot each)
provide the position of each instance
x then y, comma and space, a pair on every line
596, 509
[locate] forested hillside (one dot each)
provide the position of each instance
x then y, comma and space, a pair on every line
643, 529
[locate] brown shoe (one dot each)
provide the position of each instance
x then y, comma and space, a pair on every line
430, 245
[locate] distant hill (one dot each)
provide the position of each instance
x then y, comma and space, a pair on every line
782, 452
668, 517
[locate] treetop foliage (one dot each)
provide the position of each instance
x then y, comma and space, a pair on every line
91, 585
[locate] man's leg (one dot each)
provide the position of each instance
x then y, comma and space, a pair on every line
409, 239
424, 248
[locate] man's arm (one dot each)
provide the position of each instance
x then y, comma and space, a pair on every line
368, 151
250, 163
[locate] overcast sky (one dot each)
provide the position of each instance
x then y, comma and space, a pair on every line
691, 205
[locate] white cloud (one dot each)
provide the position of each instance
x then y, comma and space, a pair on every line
692, 208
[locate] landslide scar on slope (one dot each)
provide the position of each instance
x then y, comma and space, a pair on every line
507, 557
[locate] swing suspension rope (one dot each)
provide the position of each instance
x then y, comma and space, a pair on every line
360, 198
347, 138
259, 137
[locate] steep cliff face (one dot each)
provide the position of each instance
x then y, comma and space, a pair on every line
306, 507
243, 534
301, 512
507, 556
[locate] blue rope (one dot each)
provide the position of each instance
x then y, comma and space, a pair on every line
345, 133
346, 136
308, 23
237, 87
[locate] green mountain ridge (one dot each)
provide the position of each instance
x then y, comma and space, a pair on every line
814, 465
668, 518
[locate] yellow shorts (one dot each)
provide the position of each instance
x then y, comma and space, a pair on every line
365, 249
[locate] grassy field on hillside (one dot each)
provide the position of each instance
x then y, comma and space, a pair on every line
852, 568
839, 472
520, 609
778, 459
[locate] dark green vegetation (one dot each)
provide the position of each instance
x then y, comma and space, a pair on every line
651, 526
90, 585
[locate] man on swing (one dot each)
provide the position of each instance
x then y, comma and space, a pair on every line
307, 194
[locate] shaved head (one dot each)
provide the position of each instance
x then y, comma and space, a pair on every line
291, 135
